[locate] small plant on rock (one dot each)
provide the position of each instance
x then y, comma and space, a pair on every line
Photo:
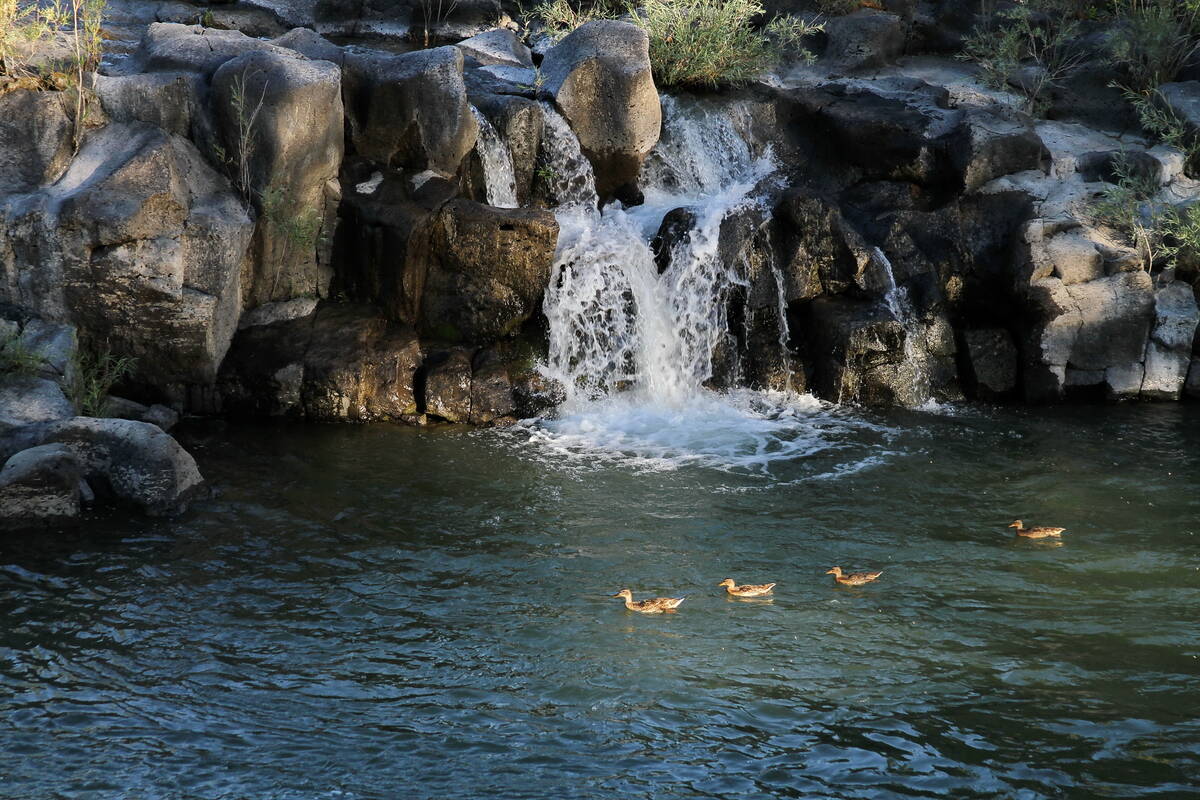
15, 357
1153, 40
95, 375
562, 16
711, 43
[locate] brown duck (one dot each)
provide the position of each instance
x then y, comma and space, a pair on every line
1037, 532
747, 590
854, 578
655, 605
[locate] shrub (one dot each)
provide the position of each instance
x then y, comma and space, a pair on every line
1033, 50
15, 357
561, 16
95, 375
711, 43
1153, 40
1159, 120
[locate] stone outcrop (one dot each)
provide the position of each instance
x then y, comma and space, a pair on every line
1169, 349
35, 139
599, 76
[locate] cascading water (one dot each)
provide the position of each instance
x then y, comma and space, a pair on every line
896, 298
499, 176
633, 348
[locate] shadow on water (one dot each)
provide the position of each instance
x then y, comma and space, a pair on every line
358, 612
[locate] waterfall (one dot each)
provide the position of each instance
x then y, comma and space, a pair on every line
633, 348
500, 180
898, 303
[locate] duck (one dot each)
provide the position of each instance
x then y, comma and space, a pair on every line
748, 590
655, 605
854, 578
1036, 532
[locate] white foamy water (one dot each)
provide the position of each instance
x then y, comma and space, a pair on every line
633, 348
500, 181
900, 306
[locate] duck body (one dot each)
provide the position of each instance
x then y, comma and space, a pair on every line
747, 590
655, 605
1036, 532
852, 578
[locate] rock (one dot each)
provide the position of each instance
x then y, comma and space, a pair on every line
1169, 350
993, 142
860, 354
992, 358
1100, 165
26, 399
39, 487
121, 408
599, 76
311, 44
297, 151
410, 110
54, 345
1125, 381
489, 269
448, 386
499, 46
1184, 99
139, 245
163, 417
1075, 258
136, 461
168, 100
1192, 387
35, 140
170, 47
491, 391
866, 39
278, 312
342, 363
822, 253
519, 122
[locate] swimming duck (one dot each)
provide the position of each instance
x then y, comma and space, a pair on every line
1037, 532
854, 578
655, 605
748, 590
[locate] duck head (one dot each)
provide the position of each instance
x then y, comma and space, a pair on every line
835, 572
727, 582
628, 595
1018, 525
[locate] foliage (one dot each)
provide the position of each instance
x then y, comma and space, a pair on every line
1153, 40
15, 357
711, 43
562, 16
1159, 120
298, 229
434, 14
245, 119
95, 375
1034, 51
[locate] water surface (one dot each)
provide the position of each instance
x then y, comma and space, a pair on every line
384, 612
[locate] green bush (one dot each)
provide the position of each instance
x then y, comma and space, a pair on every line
95, 375
562, 16
711, 43
1153, 40
16, 358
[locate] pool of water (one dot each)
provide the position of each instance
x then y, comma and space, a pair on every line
384, 612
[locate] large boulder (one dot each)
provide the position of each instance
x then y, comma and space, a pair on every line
35, 139
290, 164
169, 100
171, 47
410, 111
991, 359
489, 268
27, 399
40, 487
599, 76
140, 245
519, 122
343, 363
134, 461
860, 354
866, 39
992, 142
1169, 349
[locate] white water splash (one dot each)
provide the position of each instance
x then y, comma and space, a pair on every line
500, 180
633, 348
898, 303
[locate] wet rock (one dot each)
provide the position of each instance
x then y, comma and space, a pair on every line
27, 399
599, 76
859, 354
1192, 387
488, 271
491, 391
866, 39
134, 461
448, 387
297, 152
1169, 350
35, 140
40, 487
343, 363
992, 359
519, 122
822, 253
410, 110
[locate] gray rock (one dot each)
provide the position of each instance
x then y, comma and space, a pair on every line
55, 345
448, 387
1075, 258
993, 142
1169, 350
491, 391
599, 76
311, 44
296, 156
410, 110
35, 140
499, 46
169, 100
40, 487
866, 39
171, 47
163, 417
993, 360
27, 399
137, 461
1184, 99
1124, 382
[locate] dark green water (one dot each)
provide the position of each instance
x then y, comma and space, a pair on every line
383, 612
